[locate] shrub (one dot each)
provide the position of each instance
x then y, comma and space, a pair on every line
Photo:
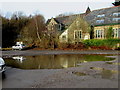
62, 45
106, 42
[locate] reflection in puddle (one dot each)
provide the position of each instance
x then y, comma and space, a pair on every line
52, 61
19, 58
100, 73
108, 74
105, 74
114, 63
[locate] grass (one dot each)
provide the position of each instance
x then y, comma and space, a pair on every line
6, 49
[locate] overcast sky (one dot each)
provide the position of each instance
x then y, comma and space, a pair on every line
51, 8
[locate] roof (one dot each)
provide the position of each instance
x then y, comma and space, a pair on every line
108, 18
66, 20
91, 16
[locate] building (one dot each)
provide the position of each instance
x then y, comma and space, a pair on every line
78, 27
103, 19
62, 25
76, 32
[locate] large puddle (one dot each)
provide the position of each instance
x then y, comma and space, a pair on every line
52, 61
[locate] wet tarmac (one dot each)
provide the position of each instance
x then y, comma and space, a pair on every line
95, 74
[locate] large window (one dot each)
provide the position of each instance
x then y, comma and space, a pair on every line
100, 21
100, 16
116, 14
116, 32
99, 34
77, 34
116, 19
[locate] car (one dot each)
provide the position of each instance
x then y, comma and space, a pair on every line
2, 65
18, 47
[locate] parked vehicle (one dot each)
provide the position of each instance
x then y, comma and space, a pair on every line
18, 47
2, 65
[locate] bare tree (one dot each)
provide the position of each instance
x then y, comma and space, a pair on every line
33, 32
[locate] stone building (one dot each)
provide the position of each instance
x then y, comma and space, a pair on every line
103, 19
76, 32
76, 28
63, 25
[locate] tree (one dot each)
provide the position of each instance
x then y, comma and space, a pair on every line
8, 33
64, 14
11, 28
117, 3
109, 33
33, 32
92, 32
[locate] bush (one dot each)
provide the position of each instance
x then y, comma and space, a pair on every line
79, 46
106, 42
71, 46
62, 45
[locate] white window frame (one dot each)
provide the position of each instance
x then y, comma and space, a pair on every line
77, 32
99, 34
60, 27
116, 32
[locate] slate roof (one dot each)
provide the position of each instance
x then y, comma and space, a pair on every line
108, 18
91, 17
66, 20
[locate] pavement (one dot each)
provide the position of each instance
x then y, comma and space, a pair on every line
98, 74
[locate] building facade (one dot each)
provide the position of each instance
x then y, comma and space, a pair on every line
76, 28
103, 19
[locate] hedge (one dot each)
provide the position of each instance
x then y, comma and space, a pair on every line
104, 42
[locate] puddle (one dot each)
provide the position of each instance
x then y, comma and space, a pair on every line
79, 73
114, 63
104, 73
100, 73
52, 61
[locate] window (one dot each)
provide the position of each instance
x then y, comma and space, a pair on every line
77, 34
116, 31
60, 27
100, 16
64, 37
77, 23
100, 21
116, 14
99, 34
52, 24
116, 19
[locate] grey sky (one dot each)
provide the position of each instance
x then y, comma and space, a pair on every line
52, 9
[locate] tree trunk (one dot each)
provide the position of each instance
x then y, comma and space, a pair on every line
37, 30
